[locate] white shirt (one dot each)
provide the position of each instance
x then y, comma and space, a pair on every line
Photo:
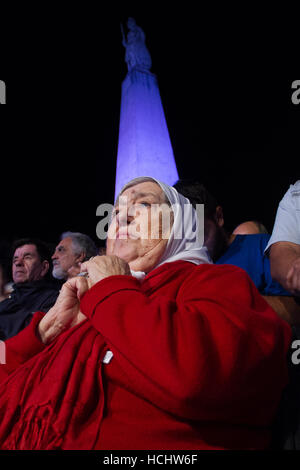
287, 222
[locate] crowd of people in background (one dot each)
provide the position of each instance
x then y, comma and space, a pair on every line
37, 274
33, 273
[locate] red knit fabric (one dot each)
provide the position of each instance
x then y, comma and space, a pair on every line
199, 362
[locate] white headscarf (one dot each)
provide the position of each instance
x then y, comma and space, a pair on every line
188, 247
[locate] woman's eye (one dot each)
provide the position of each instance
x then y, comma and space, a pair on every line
146, 204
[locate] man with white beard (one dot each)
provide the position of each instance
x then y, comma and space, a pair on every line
73, 249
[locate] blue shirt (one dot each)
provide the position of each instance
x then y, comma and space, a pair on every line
247, 252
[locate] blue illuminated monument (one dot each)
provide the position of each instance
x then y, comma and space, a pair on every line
144, 147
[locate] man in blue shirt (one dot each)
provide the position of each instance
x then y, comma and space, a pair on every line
245, 251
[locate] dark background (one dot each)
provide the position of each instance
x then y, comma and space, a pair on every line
226, 92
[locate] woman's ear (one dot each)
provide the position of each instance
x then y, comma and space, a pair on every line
219, 216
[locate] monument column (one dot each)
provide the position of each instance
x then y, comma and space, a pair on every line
144, 146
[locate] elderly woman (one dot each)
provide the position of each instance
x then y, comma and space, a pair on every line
156, 349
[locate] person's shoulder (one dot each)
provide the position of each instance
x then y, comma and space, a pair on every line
213, 280
254, 237
295, 188
292, 194
244, 246
257, 239
48, 285
5, 303
192, 270
218, 270
54, 287
295, 194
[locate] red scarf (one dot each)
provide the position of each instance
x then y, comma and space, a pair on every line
54, 403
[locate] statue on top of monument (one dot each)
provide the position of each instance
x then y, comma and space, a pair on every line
136, 55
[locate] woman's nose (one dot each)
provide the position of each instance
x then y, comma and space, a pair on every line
124, 218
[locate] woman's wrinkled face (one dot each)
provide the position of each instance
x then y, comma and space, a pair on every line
140, 226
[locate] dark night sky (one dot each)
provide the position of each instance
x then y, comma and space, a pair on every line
227, 105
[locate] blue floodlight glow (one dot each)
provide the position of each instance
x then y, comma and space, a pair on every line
144, 147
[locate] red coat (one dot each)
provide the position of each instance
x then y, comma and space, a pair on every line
199, 362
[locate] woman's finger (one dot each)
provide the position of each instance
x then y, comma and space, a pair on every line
78, 285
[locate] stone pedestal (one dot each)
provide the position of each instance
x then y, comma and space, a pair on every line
144, 147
